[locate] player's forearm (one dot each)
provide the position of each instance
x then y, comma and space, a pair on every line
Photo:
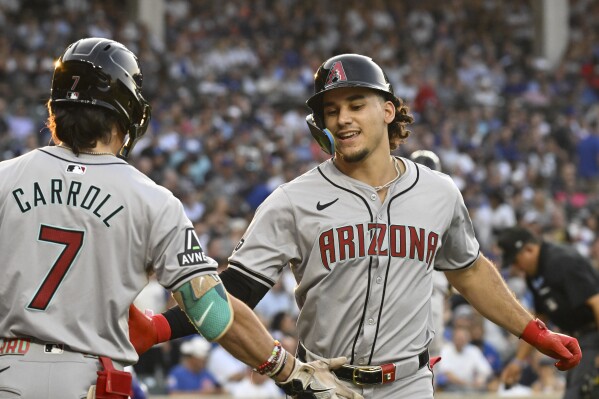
249, 341
485, 289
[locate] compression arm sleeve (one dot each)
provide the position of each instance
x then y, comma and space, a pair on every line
236, 283
206, 304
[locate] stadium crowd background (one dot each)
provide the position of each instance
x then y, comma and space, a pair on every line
228, 84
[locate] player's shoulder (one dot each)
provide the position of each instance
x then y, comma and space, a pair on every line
20, 164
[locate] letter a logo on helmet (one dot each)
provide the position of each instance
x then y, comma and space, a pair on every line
336, 74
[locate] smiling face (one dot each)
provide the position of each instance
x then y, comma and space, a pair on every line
358, 118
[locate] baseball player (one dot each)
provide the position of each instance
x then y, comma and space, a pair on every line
80, 229
362, 233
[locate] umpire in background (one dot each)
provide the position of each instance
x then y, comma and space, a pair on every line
565, 288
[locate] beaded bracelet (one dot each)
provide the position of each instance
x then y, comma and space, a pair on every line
280, 367
273, 361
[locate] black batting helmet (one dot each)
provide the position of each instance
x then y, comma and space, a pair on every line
103, 73
345, 70
426, 158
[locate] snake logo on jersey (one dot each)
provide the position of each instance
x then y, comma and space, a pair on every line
193, 254
343, 243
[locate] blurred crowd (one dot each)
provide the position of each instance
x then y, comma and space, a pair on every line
228, 84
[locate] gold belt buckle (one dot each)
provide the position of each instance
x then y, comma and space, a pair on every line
358, 370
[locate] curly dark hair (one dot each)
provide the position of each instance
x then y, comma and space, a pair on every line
398, 132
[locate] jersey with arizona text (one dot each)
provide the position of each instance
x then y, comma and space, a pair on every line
364, 268
78, 238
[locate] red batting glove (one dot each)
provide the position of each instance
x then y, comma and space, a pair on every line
147, 331
558, 346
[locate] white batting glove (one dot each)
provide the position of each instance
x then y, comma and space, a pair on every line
314, 380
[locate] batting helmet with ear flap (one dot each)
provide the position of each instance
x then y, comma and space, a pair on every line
345, 70
103, 73
426, 158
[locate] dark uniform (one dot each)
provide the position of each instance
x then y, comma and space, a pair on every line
565, 280
561, 284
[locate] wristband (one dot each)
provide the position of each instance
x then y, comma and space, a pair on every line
280, 367
163, 328
271, 365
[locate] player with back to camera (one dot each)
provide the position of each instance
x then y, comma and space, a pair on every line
81, 229
362, 233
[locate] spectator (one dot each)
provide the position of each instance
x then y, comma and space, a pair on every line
549, 380
225, 367
254, 386
463, 367
190, 376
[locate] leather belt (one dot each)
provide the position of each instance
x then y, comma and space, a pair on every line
372, 375
368, 375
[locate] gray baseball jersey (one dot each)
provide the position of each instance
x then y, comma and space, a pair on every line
78, 236
363, 268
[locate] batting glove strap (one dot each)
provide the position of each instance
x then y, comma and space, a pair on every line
315, 380
146, 331
163, 328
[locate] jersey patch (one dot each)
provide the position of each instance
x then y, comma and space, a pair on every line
77, 169
193, 254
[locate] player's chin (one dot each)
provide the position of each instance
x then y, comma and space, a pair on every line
352, 155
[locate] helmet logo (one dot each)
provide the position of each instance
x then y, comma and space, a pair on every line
336, 74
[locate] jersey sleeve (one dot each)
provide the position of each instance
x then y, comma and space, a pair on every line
176, 255
460, 248
270, 241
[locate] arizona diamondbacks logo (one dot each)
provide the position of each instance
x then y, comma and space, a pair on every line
193, 254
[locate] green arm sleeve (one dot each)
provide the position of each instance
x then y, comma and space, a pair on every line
206, 303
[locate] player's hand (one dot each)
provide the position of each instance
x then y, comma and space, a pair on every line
511, 374
558, 346
315, 380
146, 331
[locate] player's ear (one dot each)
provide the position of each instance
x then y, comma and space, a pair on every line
389, 110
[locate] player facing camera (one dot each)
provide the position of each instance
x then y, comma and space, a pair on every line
353, 70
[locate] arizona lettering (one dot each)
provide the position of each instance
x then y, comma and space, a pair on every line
374, 239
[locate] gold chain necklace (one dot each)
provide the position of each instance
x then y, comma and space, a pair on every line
86, 152
379, 188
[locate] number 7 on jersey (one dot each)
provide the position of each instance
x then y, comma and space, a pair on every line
73, 241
